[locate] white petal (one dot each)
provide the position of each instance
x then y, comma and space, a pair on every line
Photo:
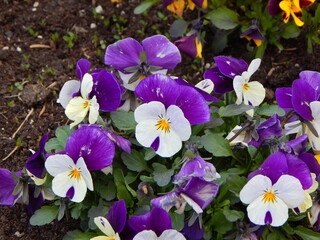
205, 85
58, 163
293, 127
77, 109
254, 65
146, 132
162, 71
68, 89
80, 190
85, 174
254, 94
105, 227
170, 144
255, 188
126, 77
86, 85
238, 82
258, 209
94, 110
146, 235
171, 234
315, 141
149, 111
315, 109
289, 189
192, 203
179, 124
62, 183
239, 139
306, 204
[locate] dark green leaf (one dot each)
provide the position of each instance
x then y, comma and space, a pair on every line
177, 220
290, 31
144, 6
269, 110
224, 18
178, 28
234, 109
162, 175
123, 120
44, 215
306, 234
233, 215
135, 161
216, 145
236, 183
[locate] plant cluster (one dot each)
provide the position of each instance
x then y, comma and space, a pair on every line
150, 156
260, 22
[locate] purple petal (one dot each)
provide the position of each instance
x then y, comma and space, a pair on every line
254, 33
161, 52
7, 185
156, 220
187, 45
167, 2
284, 97
222, 84
193, 105
107, 89
202, 192
268, 218
230, 66
93, 145
313, 78
82, 68
298, 145
35, 164
302, 95
35, 203
158, 87
123, 53
70, 192
198, 2
195, 231
311, 162
274, 8
117, 215
166, 202
121, 142
208, 97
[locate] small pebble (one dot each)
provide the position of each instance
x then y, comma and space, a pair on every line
34, 9
93, 25
39, 36
18, 234
297, 65
99, 9
207, 65
82, 13
18, 49
5, 48
36, 4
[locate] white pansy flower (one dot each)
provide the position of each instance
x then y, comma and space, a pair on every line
166, 235
105, 227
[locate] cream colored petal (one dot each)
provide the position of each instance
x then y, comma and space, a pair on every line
105, 227
238, 83
255, 93
77, 110
94, 110
86, 85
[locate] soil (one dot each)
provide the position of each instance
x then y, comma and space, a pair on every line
33, 68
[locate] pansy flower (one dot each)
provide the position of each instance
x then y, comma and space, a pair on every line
97, 91
289, 8
88, 148
250, 93
177, 6
148, 226
7, 186
169, 109
223, 74
269, 202
114, 223
135, 61
190, 45
254, 34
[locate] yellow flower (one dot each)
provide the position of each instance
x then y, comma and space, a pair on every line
291, 7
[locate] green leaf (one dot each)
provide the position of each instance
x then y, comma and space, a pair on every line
162, 175
144, 6
96, 211
290, 31
306, 234
217, 145
122, 193
44, 215
62, 133
150, 153
220, 224
224, 18
135, 161
269, 110
233, 215
178, 28
53, 144
233, 110
76, 211
177, 220
236, 183
123, 120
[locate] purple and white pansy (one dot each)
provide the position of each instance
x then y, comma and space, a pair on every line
99, 90
135, 61
168, 110
88, 148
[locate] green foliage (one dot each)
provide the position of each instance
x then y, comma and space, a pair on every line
44, 215
70, 38
224, 18
59, 142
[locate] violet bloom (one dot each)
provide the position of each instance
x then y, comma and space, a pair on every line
267, 130
169, 109
88, 148
254, 34
114, 223
194, 229
190, 45
306, 103
7, 186
135, 61
196, 192
148, 226
223, 74
97, 91
35, 164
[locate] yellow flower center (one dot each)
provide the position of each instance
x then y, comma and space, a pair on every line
86, 104
75, 174
164, 125
245, 87
269, 197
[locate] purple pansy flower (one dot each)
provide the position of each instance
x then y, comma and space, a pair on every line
194, 230
197, 193
168, 110
88, 148
134, 61
190, 45
35, 164
222, 75
114, 223
97, 91
253, 33
7, 185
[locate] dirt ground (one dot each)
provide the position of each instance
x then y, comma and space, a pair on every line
35, 61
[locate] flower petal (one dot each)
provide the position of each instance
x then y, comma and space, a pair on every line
58, 163
149, 111
77, 110
254, 65
85, 174
104, 225
169, 143
67, 91
179, 124
7, 186
254, 188
254, 94
171, 234
86, 85
82, 68
230, 66
117, 215
146, 234
284, 97
238, 83
94, 110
